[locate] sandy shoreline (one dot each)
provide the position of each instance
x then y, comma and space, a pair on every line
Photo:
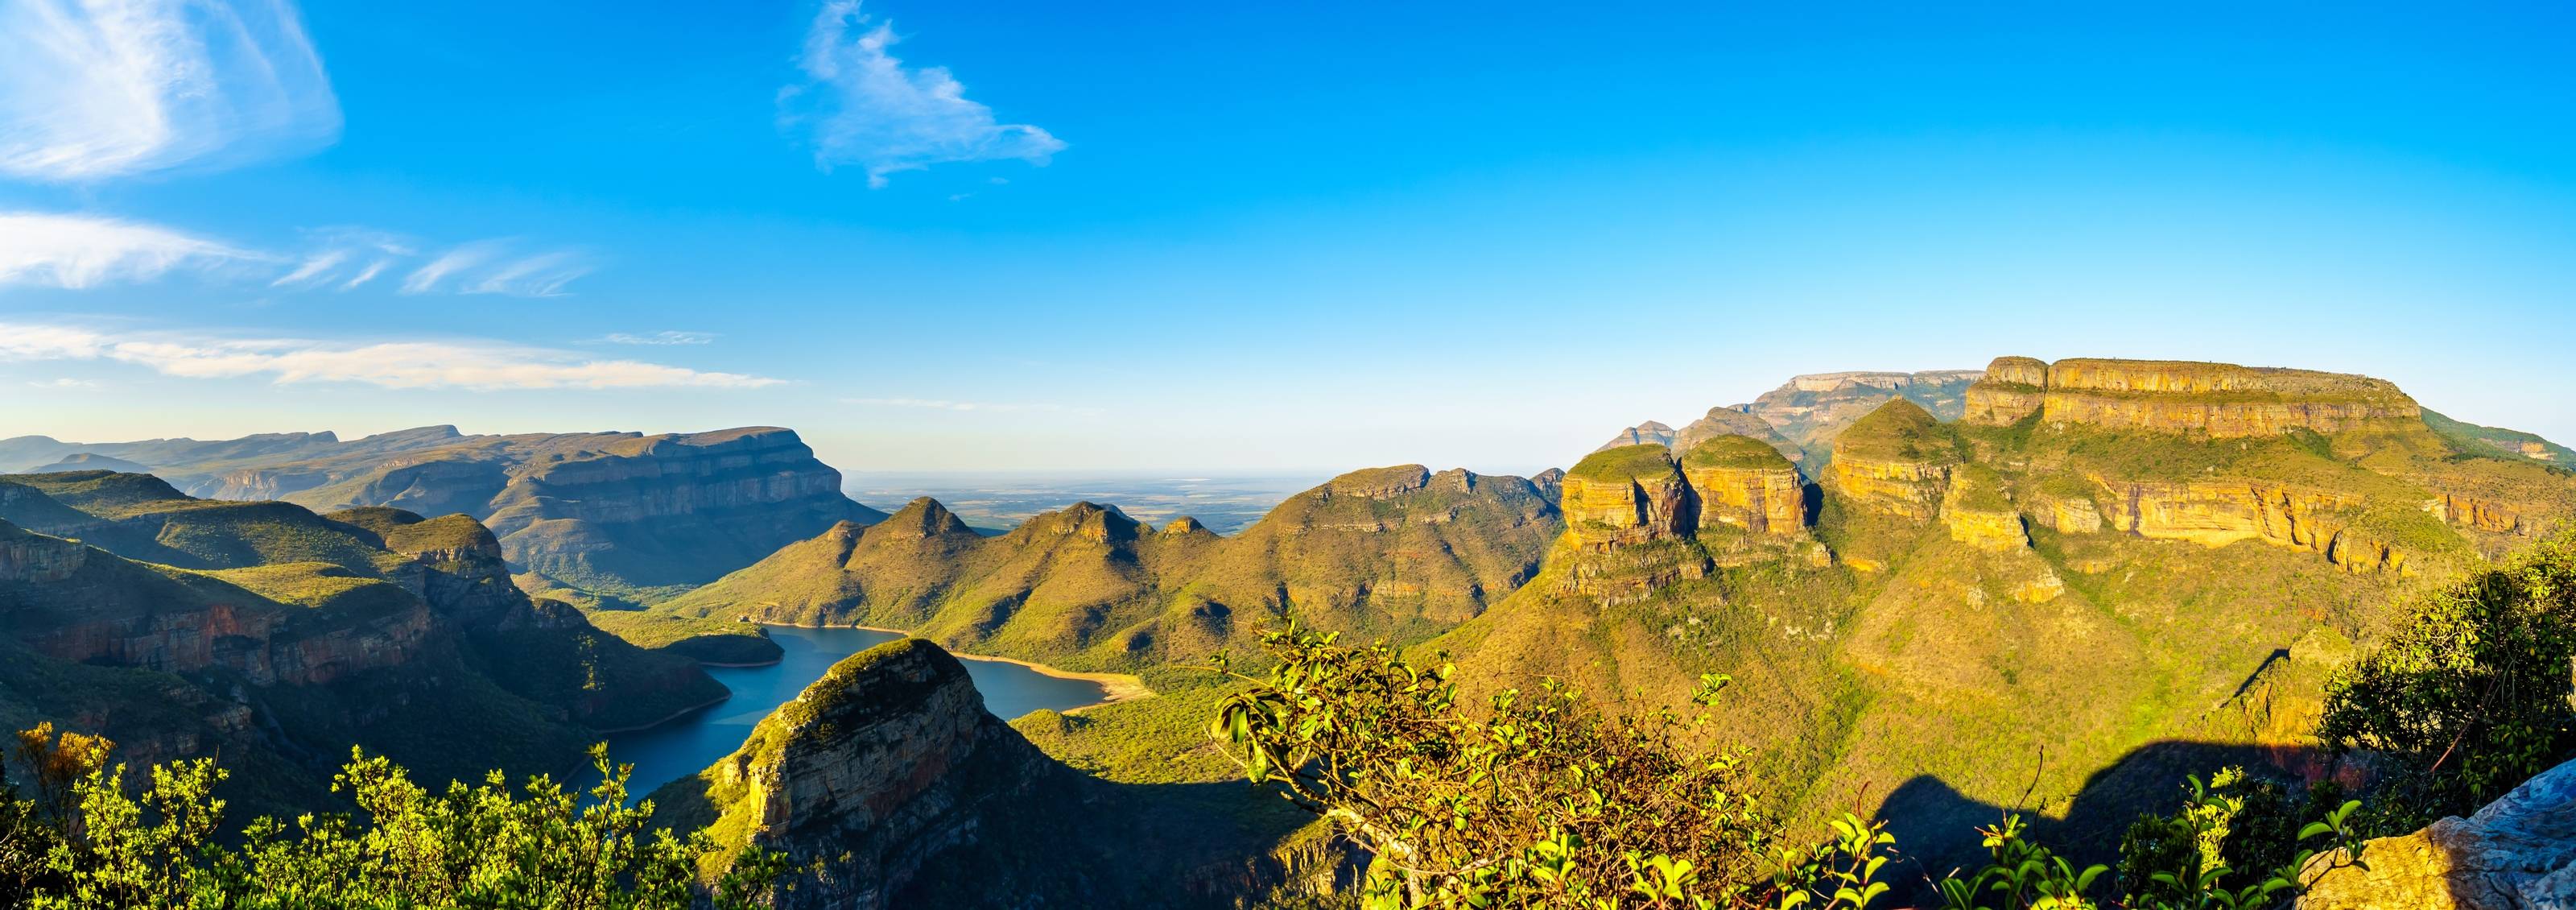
1114, 687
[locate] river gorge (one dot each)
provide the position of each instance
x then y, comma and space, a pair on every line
688, 744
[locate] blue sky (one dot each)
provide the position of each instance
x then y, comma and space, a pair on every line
1210, 236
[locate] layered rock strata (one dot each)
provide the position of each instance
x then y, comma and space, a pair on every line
1743, 482
2220, 400
1895, 461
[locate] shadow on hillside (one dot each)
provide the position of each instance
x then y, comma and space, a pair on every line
1935, 825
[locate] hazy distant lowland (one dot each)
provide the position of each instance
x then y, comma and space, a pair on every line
999, 500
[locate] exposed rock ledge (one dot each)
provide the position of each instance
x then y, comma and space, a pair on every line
2519, 853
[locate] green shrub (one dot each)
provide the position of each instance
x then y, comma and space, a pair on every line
2469, 697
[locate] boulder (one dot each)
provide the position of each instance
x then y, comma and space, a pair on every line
2518, 853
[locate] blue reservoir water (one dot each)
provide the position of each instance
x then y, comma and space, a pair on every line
689, 744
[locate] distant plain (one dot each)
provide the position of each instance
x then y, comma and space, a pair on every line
1000, 500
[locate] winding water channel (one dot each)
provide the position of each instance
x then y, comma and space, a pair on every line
689, 744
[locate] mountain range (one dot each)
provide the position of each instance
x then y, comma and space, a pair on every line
2055, 586
280, 638
616, 513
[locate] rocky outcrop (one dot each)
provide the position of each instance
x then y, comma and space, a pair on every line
2013, 388
2220, 512
1624, 496
1813, 409
1743, 482
606, 510
2517, 853
2484, 515
1895, 461
1550, 483
2220, 400
1379, 483
1978, 514
74, 603
668, 510
876, 770
1650, 433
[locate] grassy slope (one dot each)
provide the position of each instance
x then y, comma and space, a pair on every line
460, 704
1853, 684
1086, 588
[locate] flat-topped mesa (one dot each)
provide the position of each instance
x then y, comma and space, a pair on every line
2220, 400
1378, 483
1827, 382
1628, 495
1745, 483
1896, 461
2014, 388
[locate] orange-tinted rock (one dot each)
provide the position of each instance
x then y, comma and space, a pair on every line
1894, 461
1746, 483
1627, 495
2218, 399
2220, 512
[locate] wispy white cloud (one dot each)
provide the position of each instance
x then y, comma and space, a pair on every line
81, 251
499, 267
471, 255
664, 337
91, 89
860, 105
540, 275
393, 364
63, 383
943, 404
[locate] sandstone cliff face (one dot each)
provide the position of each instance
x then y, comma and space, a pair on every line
885, 763
877, 769
1894, 461
669, 510
2484, 515
2220, 512
2517, 853
1812, 410
2220, 400
1977, 514
73, 603
1743, 482
615, 511
1626, 496
2013, 388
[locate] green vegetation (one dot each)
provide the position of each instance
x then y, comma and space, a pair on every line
2470, 696
1394, 552
81, 840
1899, 430
1978, 488
2498, 442
1737, 452
1547, 801
1623, 464
721, 642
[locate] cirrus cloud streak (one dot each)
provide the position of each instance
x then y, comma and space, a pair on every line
93, 89
392, 364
